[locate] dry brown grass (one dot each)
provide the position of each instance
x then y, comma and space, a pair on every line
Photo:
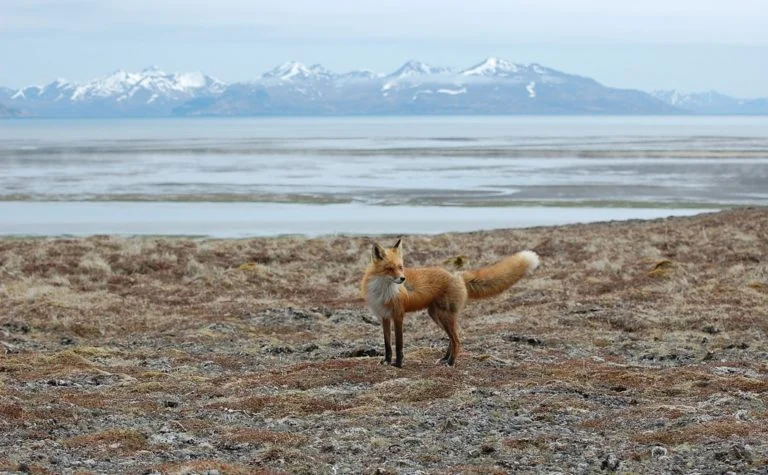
410, 391
206, 466
324, 373
260, 436
11, 411
704, 432
122, 441
296, 404
630, 335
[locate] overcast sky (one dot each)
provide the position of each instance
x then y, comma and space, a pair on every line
649, 44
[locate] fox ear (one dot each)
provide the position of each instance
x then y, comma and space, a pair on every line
377, 252
398, 245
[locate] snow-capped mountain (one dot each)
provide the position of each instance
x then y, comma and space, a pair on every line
712, 102
54, 91
415, 68
493, 67
358, 75
493, 86
148, 86
295, 71
149, 92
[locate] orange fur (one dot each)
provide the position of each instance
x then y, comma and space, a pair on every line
391, 290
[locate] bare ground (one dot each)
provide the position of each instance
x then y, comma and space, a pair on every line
636, 347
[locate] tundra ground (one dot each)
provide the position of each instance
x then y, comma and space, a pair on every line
636, 347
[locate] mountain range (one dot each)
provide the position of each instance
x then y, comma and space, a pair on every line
493, 86
712, 102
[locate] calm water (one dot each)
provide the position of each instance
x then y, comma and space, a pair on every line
236, 177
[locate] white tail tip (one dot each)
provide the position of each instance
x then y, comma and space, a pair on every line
531, 260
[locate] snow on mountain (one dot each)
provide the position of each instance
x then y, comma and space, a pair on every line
452, 92
295, 71
696, 99
493, 86
417, 68
149, 84
712, 102
54, 91
362, 75
493, 67
531, 88
499, 69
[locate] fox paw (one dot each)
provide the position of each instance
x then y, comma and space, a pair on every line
445, 361
383, 362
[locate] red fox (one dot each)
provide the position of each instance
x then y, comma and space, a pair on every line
391, 290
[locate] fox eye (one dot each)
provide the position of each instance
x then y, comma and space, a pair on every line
400, 267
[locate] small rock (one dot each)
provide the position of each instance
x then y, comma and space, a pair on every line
326, 312
533, 341
361, 352
520, 422
742, 415
721, 456
740, 346
741, 452
277, 350
658, 451
172, 438
610, 463
170, 403
487, 449
448, 426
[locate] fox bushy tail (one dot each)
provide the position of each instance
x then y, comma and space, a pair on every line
496, 278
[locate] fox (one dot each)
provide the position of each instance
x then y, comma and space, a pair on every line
391, 290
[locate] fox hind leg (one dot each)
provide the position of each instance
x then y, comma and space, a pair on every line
454, 345
433, 314
447, 321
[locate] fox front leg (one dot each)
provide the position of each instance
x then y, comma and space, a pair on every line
387, 327
399, 342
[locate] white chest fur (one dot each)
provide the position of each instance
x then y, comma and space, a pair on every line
380, 292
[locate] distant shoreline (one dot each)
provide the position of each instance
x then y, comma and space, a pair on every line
242, 220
